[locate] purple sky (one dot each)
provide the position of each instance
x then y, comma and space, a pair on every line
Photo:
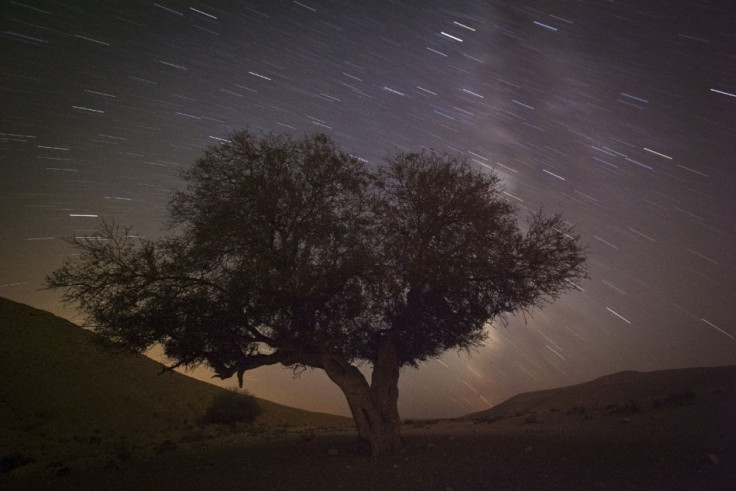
619, 114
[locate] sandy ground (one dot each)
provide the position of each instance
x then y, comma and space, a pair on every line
608, 453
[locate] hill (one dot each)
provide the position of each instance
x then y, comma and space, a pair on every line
686, 400
61, 386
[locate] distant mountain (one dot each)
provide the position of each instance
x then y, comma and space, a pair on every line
58, 383
697, 397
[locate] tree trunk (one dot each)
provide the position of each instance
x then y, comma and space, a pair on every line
374, 407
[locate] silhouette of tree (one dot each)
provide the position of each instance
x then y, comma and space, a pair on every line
294, 252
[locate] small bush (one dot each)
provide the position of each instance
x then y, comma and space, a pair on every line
194, 436
579, 411
631, 407
232, 407
675, 399
489, 419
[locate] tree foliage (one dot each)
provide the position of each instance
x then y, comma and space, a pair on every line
292, 251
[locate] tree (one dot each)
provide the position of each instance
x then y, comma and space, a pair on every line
293, 252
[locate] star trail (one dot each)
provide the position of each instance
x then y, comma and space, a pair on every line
621, 115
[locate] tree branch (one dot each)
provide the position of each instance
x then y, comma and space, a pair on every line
285, 357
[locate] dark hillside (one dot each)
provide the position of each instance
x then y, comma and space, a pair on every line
683, 401
61, 387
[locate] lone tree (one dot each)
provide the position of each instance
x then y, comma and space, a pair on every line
294, 252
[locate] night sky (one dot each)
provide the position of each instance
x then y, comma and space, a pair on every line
621, 115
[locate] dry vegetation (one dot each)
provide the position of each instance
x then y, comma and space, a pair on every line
76, 418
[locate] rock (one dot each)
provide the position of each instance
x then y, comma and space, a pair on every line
308, 435
333, 451
166, 446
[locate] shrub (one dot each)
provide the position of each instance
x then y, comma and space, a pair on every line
580, 411
631, 407
682, 398
231, 407
577, 411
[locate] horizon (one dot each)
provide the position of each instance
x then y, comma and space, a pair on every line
619, 116
204, 376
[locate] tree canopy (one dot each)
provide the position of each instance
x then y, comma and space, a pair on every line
292, 251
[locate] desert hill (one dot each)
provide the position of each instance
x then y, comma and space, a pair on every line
60, 386
626, 395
